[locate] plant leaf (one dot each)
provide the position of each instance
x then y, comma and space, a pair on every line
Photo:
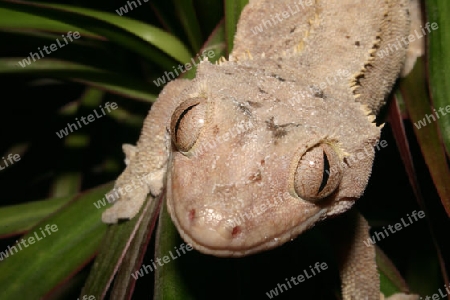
128, 33
16, 219
78, 234
413, 90
233, 9
85, 74
439, 67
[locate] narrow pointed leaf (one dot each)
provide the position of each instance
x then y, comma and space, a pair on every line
86, 74
124, 282
233, 10
78, 234
18, 20
117, 242
131, 34
415, 98
439, 65
16, 219
187, 15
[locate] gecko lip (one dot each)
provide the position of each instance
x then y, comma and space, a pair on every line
219, 241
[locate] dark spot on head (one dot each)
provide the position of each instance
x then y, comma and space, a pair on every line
244, 108
278, 131
263, 162
262, 91
318, 94
278, 77
357, 43
256, 177
347, 36
236, 230
191, 214
254, 104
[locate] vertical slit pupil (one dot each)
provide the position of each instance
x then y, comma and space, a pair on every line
326, 172
177, 125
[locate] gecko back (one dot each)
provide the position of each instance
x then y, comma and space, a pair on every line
316, 38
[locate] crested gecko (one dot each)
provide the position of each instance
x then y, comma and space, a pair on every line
262, 146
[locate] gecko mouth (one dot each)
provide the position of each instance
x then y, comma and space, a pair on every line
224, 241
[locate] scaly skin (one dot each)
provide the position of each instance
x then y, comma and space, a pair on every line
245, 147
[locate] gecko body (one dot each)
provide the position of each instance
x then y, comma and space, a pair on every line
255, 150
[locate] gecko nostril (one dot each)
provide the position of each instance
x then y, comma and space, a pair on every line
236, 230
191, 214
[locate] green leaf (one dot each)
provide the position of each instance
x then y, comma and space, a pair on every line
67, 70
391, 281
439, 66
128, 33
233, 10
187, 15
123, 284
19, 218
21, 20
121, 240
55, 256
216, 44
415, 98
170, 281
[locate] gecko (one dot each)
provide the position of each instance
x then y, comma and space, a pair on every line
261, 147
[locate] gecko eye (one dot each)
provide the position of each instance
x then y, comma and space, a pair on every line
318, 173
186, 123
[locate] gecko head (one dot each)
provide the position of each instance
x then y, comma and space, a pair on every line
251, 169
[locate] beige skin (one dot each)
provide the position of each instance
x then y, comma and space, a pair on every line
244, 149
